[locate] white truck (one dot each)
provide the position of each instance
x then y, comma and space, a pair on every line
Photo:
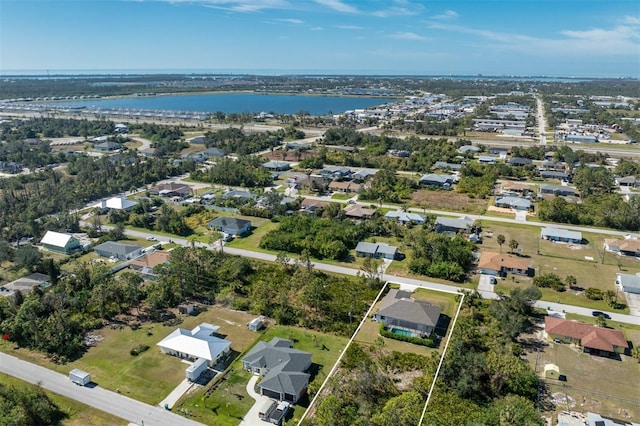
79, 377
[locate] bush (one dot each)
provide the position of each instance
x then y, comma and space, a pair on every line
549, 280
138, 350
415, 340
594, 293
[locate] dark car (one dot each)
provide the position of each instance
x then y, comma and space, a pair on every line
600, 314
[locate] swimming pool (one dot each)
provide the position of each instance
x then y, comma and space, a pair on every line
402, 332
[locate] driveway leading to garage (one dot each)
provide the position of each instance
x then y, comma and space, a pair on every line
252, 418
633, 300
485, 288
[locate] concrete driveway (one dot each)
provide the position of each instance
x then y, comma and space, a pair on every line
633, 300
485, 288
251, 418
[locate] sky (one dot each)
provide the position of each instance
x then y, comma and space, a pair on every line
579, 38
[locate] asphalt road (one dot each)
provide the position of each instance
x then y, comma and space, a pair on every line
122, 406
541, 121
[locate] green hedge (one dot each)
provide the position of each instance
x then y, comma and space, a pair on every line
415, 340
138, 350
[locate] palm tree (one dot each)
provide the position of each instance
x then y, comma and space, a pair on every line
500, 239
513, 245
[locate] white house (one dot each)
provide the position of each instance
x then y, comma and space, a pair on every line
117, 203
197, 343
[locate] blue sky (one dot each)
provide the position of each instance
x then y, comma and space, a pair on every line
512, 37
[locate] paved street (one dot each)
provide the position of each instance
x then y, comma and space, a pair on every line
110, 402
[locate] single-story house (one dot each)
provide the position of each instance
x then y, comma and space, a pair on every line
627, 181
60, 242
212, 152
552, 165
10, 167
517, 188
558, 190
453, 225
519, 161
403, 315
283, 368
376, 250
335, 172
171, 189
629, 283
344, 186
363, 174
626, 247
239, 195
310, 205
594, 419
593, 339
432, 179
276, 166
405, 217
356, 211
501, 152
468, 148
118, 250
107, 146
144, 264
487, 159
231, 225
200, 342
121, 128
562, 235
492, 263
515, 203
199, 140
552, 174
117, 203
25, 284
443, 165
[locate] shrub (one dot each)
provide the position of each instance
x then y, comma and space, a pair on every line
594, 293
138, 350
549, 280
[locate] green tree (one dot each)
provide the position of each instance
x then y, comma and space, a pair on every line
571, 281
402, 410
500, 239
513, 245
28, 257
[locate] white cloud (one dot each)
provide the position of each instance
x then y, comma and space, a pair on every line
631, 20
243, 6
337, 5
447, 15
290, 21
407, 36
316, 29
350, 27
400, 8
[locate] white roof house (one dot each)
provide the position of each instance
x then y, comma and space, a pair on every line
197, 343
117, 203
57, 239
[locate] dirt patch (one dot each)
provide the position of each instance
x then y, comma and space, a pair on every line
448, 200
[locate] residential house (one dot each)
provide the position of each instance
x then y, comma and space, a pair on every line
60, 242
486, 159
452, 226
376, 250
439, 181
402, 315
231, 225
199, 140
201, 342
25, 284
276, 166
558, 190
515, 203
626, 247
107, 146
212, 152
552, 174
117, 250
283, 369
117, 203
594, 419
121, 128
10, 167
144, 264
310, 205
516, 188
629, 181
242, 196
149, 152
500, 264
468, 148
356, 211
346, 186
592, 339
561, 235
171, 189
629, 283
335, 172
443, 165
552, 165
499, 151
519, 161
363, 174
404, 217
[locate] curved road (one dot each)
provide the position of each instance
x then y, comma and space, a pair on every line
110, 402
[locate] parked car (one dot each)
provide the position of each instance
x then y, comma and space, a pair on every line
600, 314
152, 239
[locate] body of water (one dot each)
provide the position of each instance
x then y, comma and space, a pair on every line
237, 103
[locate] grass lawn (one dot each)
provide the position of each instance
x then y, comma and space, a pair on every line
596, 384
252, 241
342, 196
228, 401
76, 414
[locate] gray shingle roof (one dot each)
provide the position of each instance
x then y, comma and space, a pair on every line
411, 311
228, 223
116, 248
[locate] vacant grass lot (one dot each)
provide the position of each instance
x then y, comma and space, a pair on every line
228, 402
447, 200
596, 384
77, 414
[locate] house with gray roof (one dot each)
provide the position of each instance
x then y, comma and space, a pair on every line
440, 181
443, 165
629, 283
519, 161
283, 369
118, 250
107, 146
363, 174
276, 166
212, 152
468, 148
561, 235
402, 315
405, 217
515, 203
558, 190
552, 174
449, 225
376, 250
231, 225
